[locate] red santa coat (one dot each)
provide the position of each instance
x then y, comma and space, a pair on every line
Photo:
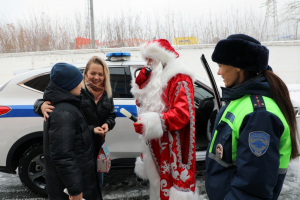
168, 142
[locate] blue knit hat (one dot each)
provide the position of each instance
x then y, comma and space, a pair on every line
66, 76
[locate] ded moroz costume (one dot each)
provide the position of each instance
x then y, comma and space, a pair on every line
164, 92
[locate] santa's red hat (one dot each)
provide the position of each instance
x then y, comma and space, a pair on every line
159, 50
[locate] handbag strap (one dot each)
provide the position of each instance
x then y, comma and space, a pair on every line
103, 139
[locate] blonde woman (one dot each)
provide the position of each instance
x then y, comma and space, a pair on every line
96, 102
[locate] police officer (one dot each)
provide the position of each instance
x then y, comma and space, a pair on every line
254, 135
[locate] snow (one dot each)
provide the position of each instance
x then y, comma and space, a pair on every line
294, 90
290, 189
293, 87
123, 184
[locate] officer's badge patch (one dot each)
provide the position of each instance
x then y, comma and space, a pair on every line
230, 116
259, 142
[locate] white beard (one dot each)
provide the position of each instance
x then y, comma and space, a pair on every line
150, 97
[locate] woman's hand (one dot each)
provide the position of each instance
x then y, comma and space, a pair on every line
78, 197
46, 108
105, 128
98, 130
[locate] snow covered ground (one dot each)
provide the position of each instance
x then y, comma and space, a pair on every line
290, 189
123, 184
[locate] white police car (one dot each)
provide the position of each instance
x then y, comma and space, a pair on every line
21, 130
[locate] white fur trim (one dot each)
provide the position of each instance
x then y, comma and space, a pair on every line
139, 169
151, 171
154, 191
179, 195
173, 68
154, 51
134, 87
152, 125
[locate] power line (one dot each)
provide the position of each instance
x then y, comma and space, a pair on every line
92, 24
271, 13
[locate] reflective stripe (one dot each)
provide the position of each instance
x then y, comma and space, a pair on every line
282, 170
221, 162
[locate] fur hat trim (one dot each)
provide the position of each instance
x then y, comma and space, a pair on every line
242, 51
159, 50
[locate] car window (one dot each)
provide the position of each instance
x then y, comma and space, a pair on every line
200, 94
120, 79
39, 83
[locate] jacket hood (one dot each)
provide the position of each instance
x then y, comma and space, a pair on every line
257, 86
55, 95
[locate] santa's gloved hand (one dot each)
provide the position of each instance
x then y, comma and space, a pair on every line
137, 103
138, 128
143, 78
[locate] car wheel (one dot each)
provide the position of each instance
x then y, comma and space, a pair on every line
32, 170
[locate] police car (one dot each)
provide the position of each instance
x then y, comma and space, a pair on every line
21, 130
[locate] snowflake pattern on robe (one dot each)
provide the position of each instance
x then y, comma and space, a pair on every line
176, 164
166, 168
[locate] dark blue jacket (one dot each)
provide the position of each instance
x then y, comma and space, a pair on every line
252, 133
68, 148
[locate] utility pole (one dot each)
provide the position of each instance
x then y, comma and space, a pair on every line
92, 24
271, 12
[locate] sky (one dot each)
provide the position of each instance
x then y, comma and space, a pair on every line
19, 9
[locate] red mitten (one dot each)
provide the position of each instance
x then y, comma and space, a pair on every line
137, 103
143, 78
138, 128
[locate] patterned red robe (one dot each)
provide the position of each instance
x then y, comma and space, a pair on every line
168, 143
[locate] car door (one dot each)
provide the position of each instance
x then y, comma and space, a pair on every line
212, 82
122, 141
217, 96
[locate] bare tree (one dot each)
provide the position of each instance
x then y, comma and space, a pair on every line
45, 33
291, 14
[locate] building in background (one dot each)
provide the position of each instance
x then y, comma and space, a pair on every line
186, 40
84, 43
132, 42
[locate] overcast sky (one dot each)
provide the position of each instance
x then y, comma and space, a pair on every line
18, 9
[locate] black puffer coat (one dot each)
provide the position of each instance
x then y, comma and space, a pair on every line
98, 114
68, 148
95, 114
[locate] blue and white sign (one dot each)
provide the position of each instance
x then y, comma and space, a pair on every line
259, 142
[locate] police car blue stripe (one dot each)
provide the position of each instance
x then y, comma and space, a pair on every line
27, 111
130, 108
20, 111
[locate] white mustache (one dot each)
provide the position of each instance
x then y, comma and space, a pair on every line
152, 65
